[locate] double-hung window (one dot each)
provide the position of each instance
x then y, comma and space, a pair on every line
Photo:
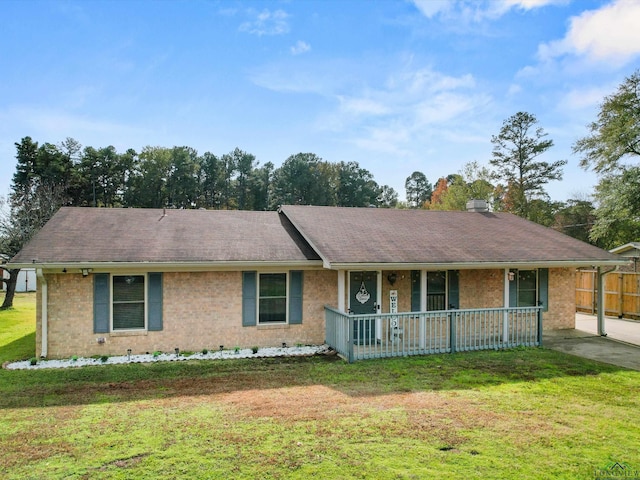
527, 288
272, 298
436, 291
128, 302
442, 290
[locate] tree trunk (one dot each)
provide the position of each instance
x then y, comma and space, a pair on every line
11, 283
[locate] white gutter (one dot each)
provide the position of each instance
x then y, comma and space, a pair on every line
172, 266
476, 265
44, 320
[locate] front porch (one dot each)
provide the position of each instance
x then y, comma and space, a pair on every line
359, 337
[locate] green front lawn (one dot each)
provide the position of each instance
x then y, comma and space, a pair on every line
524, 413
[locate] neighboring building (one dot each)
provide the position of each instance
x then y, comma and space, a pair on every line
26, 280
631, 251
148, 279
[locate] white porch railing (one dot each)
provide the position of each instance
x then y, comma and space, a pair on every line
358, 337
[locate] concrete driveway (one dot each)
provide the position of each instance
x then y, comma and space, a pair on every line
621, 346
624, 330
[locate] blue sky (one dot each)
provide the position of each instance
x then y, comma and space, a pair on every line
397, 86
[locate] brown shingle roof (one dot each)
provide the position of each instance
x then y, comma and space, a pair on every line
350, 236
81, 235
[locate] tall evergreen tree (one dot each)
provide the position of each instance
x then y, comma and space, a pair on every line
515, 152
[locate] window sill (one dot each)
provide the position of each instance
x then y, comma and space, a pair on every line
128, 333
275, 326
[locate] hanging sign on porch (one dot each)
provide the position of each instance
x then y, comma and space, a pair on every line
363, 296
393, 301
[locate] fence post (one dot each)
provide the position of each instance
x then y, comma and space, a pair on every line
452, 332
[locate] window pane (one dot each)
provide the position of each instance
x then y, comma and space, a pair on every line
273, 284
436, 290
526, 298
128, 315
527, 288
527, 279
273, 310
128, 302
436, 282
128, 289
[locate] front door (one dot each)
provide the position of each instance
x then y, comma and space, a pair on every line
363, 298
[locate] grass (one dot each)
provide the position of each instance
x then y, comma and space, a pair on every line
18, 329
524, 413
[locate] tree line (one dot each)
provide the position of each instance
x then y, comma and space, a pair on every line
179, 177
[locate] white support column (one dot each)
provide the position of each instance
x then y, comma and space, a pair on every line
341, 290
505, 321
423, 290
600, 303
44, 314
379, 305
423, 308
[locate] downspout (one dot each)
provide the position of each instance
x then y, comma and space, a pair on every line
600, 302
44, 321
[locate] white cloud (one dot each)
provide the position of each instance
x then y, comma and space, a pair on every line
431, 8
477, 11
266, 22
300, 47
361, 106
582, 98
609, 34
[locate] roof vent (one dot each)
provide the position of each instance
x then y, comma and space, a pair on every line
477, 206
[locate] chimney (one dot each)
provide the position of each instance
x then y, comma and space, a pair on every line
477, 206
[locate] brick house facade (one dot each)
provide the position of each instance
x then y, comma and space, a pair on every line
194, 279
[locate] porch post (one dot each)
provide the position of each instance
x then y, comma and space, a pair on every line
505, 320
423, 308
379, 305
341, 291
600, 302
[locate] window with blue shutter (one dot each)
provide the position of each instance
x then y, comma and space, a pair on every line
101, 301
295, 297
454, 288
529, 288
154, 308
415, 290
543, 287
249, 294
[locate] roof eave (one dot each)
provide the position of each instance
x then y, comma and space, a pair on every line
473, 265
172, 266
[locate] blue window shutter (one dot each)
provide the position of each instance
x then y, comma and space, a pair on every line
543, 288
454, 288
415, 290
154, 308
295, 297
513, 289
101, 303
249, 294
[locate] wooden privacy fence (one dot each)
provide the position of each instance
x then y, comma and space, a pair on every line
621, 293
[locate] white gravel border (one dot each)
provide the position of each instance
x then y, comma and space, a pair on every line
308, 350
